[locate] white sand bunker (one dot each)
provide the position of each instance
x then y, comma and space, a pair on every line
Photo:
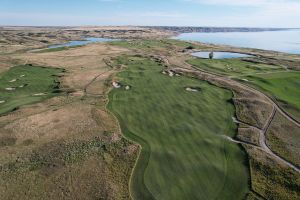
2, 101
13, 80
24, 85
127, 87
170, 73
235, 120
190, 89
40, 94
22, 75
245, 80
10, 89
116, 84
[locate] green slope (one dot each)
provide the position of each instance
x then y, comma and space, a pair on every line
184, 155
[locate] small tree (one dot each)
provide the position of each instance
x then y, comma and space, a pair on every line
190, 47
211, 55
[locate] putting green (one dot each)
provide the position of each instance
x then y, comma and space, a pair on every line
184, 155
26, 84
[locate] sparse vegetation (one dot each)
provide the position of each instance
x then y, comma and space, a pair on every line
74, 164
270, 179
283, 137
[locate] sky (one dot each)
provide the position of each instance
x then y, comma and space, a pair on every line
224, 13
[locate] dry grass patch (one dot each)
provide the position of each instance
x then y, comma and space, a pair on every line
271, 179
249, 135
283, 137
252, 111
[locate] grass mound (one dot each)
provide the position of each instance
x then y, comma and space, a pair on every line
184, 155
26, 84
283, 137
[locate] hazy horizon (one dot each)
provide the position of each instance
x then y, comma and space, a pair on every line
214, 13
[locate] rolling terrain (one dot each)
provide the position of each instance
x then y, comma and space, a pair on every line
179, 127
141, 118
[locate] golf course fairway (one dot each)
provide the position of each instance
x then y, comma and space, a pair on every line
184, 154
26, 84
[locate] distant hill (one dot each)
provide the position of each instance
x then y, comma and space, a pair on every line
188, 29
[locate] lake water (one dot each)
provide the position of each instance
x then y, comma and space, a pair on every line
80, 43
220, 55
285, 41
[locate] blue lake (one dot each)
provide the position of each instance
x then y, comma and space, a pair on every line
83, 42
220, 55
285, 41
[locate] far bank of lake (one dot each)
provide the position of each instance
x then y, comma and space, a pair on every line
287, 41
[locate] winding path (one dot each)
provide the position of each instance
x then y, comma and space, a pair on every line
262, 141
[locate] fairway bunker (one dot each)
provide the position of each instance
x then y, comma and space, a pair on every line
116, 84
192, 89
10, 89
171, 73
2, 101
40, 94
24, 85
13, 80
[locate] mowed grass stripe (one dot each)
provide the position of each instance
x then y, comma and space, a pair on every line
181, 133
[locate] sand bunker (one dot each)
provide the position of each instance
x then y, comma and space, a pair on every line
10, 89
235, 120
22, 75
13, 80
170, 73
127, 87
116, 84
190, 89
40, 94
2, 101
